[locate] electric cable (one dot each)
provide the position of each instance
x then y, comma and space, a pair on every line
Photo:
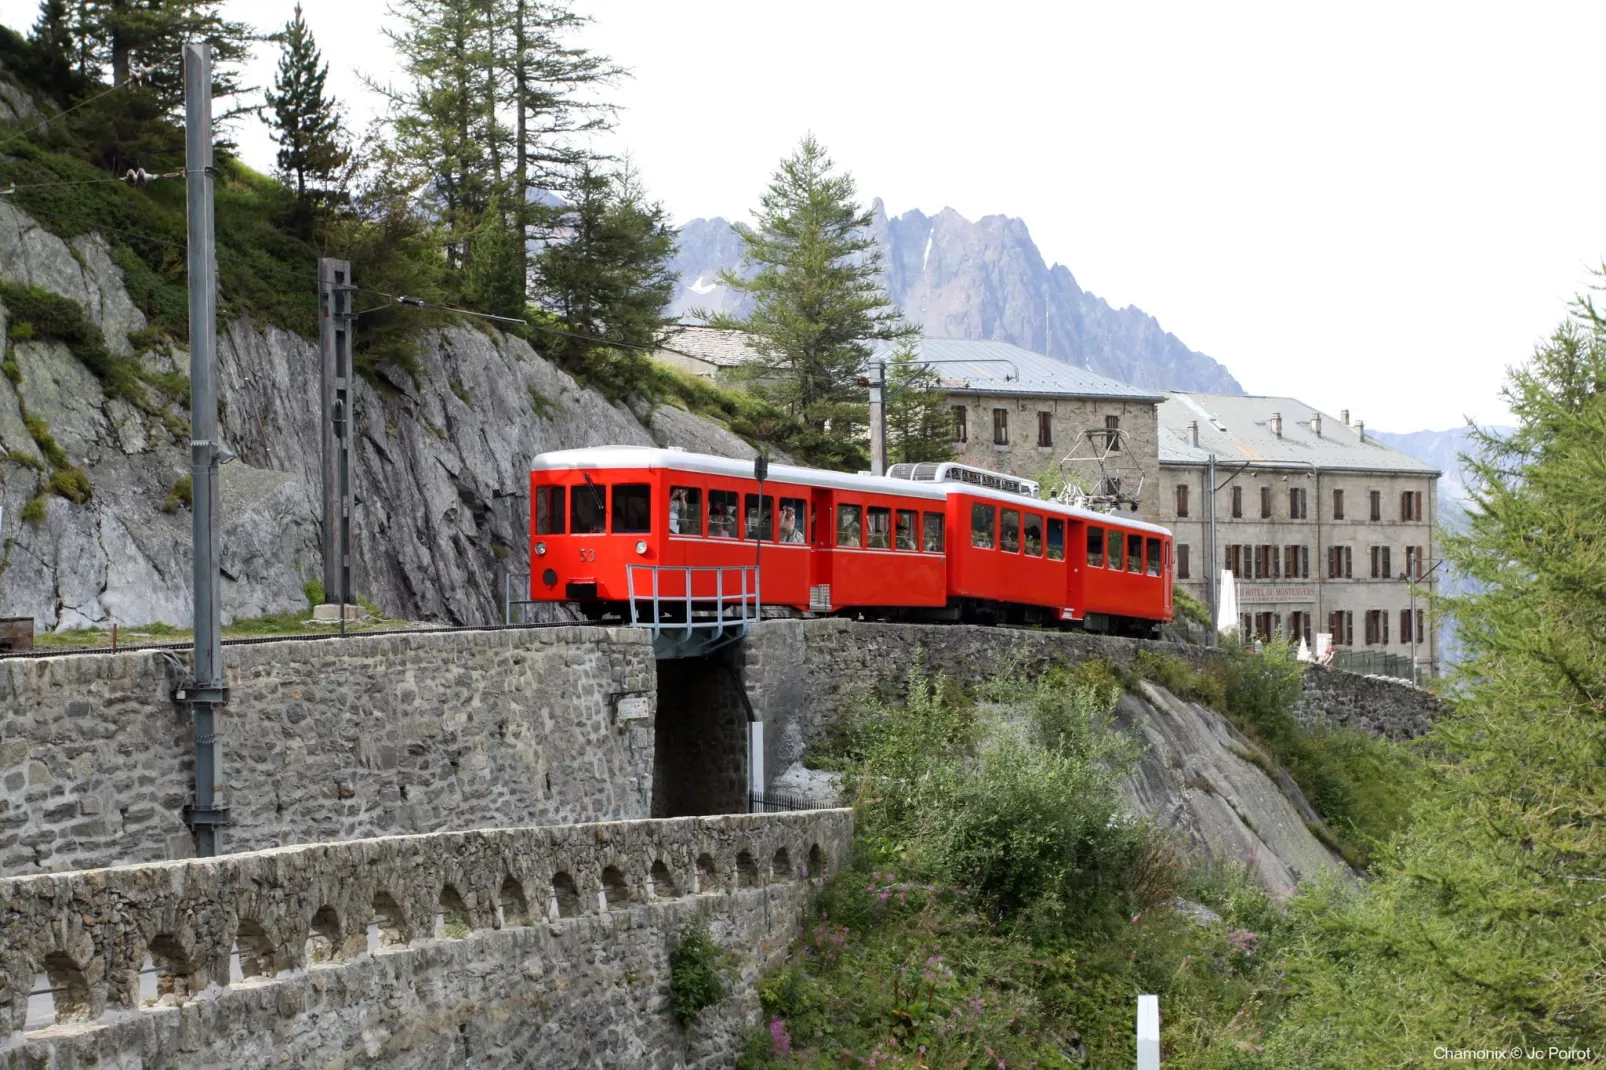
136, 75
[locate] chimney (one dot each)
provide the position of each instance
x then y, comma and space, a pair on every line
1360, 429
1316, 423
1277, 424
1193, 432
1343, 417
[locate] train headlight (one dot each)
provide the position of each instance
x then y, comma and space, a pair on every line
540, 549
641, 546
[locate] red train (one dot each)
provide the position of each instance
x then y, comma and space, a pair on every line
619, 525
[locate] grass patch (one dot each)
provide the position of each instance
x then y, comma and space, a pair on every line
54, 455
71, 483
180, 495
540, 404
37, 313
33, 514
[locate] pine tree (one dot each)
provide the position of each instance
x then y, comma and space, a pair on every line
919, 425
305, 123
495, 273
53, 35
150, 34
818, 304
609, 277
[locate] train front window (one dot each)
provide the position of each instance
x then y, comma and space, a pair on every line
632, 508
1009, 531
1034, 535
878, 528
848, 531
1095, 547
931, 536
794, 515
905, 534
1116, 560
981, 526
549, 510
587, 511
1056, 539
722, 514
1154, 557
1134, 553
753, 523
685, 510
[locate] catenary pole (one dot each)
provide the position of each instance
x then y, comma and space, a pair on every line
878, 420
208, 690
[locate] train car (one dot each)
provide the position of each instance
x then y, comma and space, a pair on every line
619, 526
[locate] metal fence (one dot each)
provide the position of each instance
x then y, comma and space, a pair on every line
1376, 663
781, 803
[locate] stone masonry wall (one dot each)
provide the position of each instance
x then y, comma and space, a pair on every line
529, 947
1376, 707
324, 740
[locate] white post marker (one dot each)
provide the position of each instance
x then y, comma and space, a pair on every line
1148, 1033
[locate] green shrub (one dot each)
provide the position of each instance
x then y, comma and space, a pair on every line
1189, 608
20, 331
55, 456
71, 483
697, 967
43, 314
34, 512
11, 369
540, 404
1177, 676
180, 495
313, 589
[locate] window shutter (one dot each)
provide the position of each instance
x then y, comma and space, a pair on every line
1418, 505
1349, 563
1304, 562
1383, 619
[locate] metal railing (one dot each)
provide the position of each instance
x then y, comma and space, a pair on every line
781, 803
671, 599
1377, 663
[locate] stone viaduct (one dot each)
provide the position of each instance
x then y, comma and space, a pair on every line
452, 848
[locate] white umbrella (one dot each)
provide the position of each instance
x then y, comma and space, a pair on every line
1304, 650
1227, 611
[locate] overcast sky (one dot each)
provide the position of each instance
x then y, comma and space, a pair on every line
1368, 206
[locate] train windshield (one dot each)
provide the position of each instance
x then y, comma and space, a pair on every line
632, 508
549, 510
587, 510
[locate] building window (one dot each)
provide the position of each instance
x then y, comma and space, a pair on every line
1377, 627
1339, 563
1298, 509
1110, 486
1421, 636
1299, 625
1234, 561
1341, 625
1182, 499
1411, 505
1380, 563
1265, 503
1237, 502
1291, 561
960, 429
1377, 504
1000, 427
1265, 625
1045, 429
1112, 433
1405, 625
1338, 505
1182, 560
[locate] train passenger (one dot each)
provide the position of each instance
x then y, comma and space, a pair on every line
677, 504
721, 525
790, 532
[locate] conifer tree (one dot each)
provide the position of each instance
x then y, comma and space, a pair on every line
53, 35
495, 275
150, 34
609, 277
919, 425
818, 304
305, 123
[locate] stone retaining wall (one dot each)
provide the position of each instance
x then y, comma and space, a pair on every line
324, 740
1394, 711
538, 947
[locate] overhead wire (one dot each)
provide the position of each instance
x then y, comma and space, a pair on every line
136, 75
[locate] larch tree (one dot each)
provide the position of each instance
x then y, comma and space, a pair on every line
305, 122
814, 274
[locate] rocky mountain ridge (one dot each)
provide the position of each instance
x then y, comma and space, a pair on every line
979, 280
440, 463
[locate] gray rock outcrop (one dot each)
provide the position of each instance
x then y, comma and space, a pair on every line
440, 465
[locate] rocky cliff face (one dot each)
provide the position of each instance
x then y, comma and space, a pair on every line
981, 280
441, 463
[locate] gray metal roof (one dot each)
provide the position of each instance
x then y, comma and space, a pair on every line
723, 349
983, 367
1237, 428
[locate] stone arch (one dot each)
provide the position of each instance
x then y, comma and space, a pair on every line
615, 888
781, 865
63, 993
663, 881
515, 907
387, 923
324, 938
565, 897
746, 870
171, 970
816, 861
254, 951
707, 873
451, 915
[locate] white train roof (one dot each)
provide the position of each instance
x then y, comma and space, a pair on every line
651, 457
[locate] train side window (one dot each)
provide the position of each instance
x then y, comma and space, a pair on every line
1095, 547
587, 511
549, 510
848, 531
1034, 535
1116, 543
1056, 539
793, 516
755, 524
904, 535
931, 537
722, 514
685, 510
1009, 531
1134, 553
1153, 557
632, 508
981, 526
878, 528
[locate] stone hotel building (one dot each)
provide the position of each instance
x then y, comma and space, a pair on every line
1325, 529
